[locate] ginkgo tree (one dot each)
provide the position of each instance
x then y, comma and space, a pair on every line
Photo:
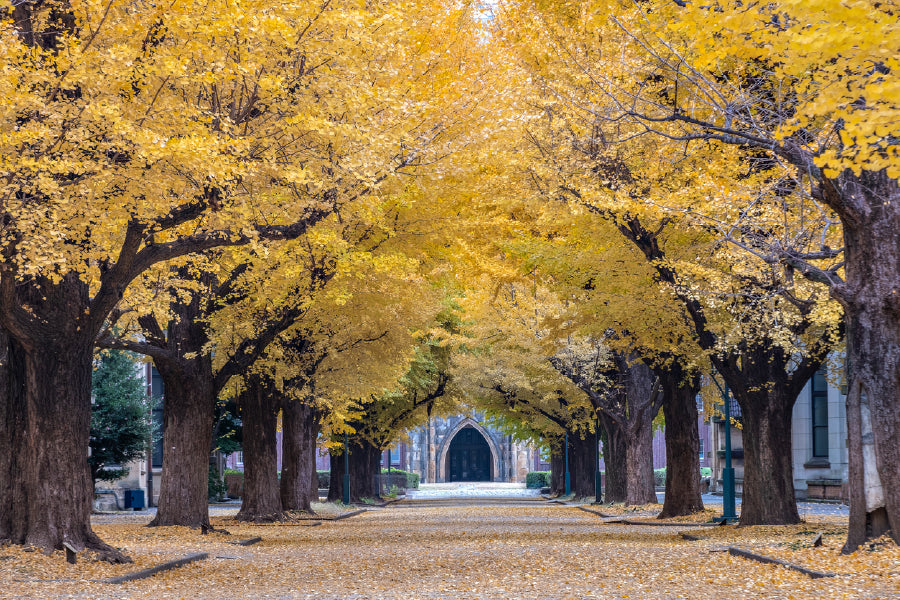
763, 331
137, 134
810, 87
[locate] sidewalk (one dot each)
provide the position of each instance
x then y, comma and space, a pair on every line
803, 508
471, 490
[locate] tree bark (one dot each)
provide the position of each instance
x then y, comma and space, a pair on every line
680, 391
299, 481
336, 478
557, 472
262, 494
46, 396
871, 300
642, 409
13, 440
363, 458
188, 416
766, 392
768, 497
614, 452
582, 463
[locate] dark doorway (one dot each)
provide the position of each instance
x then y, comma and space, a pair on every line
469, 457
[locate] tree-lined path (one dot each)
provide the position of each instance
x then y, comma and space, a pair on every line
510, 548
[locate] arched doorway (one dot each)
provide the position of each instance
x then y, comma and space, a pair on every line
469, 456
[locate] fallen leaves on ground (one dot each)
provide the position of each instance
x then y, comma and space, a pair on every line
512, 550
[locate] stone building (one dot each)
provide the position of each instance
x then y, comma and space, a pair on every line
463, 448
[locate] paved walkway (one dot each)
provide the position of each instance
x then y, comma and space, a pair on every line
461, 548
804, 508
471, 490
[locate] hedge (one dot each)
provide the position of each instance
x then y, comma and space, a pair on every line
537, 479
397, 478
402, 479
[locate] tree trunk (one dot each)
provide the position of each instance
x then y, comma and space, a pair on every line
614, 452
642, 409
336, 479
680, 391
871, 300
557, 472
13, 440
188, 415
582, 463
299, 481
46, 397
768, 497
363, 457
262, 494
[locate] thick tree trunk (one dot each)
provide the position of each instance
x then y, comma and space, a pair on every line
682, 441
614, 452
46, 396
13, 440
363, 458
642, 408
557, 472
768, 489
336, 479
262, 493
871, 300
188, 415
582, 463
765, 382
299, 481
640, 483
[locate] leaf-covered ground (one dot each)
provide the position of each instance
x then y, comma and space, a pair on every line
508, 550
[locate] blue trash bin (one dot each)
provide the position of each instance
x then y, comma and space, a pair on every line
134, 499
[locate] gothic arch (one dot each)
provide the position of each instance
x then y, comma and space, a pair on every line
441, 466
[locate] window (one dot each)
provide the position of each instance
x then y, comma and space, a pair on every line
820, 415
702, 444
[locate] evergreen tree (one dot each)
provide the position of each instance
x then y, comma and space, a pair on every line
120, 424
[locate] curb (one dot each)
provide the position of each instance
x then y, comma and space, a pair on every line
625, 521
352, 513
166, 566
247, 542
735, 551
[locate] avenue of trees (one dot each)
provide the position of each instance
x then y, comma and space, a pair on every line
352, 216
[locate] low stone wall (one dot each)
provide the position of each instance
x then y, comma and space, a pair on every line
826, 489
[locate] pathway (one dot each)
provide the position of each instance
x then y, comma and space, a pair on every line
472, 548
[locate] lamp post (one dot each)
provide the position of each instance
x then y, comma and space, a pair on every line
598, 491
568, 475
729, 512
346, 468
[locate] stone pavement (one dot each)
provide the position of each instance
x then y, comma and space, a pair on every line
471, 490
804, 508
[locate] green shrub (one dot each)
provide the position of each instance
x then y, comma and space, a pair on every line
324, 479
537, 479
659, 477
402, 479
216, 488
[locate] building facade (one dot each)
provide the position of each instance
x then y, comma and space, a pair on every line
464, 448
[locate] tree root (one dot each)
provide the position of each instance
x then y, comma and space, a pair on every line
276, 517
98, 550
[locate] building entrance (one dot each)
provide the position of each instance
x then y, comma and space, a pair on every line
469, 457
